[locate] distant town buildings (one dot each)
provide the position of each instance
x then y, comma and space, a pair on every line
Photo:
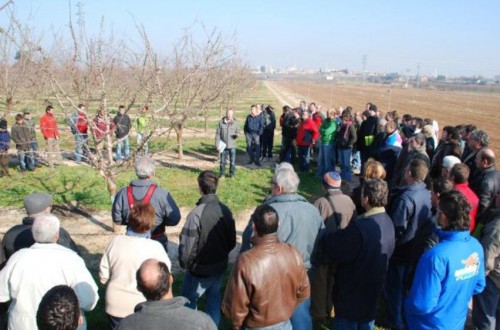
404, 79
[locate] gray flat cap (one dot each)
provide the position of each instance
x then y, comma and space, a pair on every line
37, 202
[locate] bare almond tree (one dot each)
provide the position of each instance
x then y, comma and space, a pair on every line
97, 71
197, 75
18, 51
102, 72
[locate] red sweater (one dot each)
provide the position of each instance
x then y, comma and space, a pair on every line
473, 201
102, 126
307, 133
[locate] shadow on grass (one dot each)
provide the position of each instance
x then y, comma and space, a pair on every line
184, 167
203, 151
261, 192
73, 199
64, 209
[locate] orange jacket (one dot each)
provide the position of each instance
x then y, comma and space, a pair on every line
48, 126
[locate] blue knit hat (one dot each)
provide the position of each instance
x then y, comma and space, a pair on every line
332, 180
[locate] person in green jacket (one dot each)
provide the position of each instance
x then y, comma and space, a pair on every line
142, 125
327, 130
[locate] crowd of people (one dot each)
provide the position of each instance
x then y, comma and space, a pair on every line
410, 247
101, 129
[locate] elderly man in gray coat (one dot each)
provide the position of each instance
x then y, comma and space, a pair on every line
227, 131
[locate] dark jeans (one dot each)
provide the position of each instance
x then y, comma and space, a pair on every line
26, 160
326, 159
80, 150
267, 143
253, 147
34, 149
4, 315
301, 317
114, 321
395, 293
304, 158
194, 287
345, 164
344, 324
486, 308
232, 161
288, 151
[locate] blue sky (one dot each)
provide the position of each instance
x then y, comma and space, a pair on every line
445, 37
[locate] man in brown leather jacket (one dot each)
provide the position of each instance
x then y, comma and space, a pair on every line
268, 281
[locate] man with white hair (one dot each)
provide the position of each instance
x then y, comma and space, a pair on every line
20, 236
300, 224
144, 190
448, 163
31, 272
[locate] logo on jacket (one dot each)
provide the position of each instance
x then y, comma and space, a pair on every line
471, 267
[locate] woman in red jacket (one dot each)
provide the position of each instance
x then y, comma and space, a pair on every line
307, 135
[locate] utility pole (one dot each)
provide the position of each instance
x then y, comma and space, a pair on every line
418, 75
390, 97
364, 68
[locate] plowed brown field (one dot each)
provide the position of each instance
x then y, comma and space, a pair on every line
448, 108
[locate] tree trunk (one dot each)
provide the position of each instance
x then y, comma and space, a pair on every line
178, 132
205, 115
110, 182
8, 105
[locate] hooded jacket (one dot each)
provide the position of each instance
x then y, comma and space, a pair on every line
208, 236
447, 276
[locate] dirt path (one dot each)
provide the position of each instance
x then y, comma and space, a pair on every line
93, 232
284, 97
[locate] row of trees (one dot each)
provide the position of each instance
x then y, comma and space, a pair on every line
202, 72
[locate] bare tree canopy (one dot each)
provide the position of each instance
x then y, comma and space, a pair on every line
72, 67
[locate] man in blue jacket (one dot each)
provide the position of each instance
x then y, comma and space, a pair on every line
254, 126
449, 274
412, 218
362, 251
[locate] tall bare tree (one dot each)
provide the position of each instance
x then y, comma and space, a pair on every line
101, 72
197, 75
18, 57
